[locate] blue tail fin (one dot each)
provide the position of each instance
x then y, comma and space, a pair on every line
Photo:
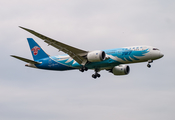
37, 51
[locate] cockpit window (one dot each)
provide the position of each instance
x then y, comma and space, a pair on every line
155, 49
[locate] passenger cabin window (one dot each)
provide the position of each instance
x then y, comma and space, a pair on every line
155, 49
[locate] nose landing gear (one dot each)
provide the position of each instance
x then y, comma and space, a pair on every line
149, 61
148, 65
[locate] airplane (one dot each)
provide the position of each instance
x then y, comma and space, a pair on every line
112, 60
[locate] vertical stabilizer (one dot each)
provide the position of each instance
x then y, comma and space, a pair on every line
36, 50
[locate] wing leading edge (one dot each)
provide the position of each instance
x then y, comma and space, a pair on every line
75, 53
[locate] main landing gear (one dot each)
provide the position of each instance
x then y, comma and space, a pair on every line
149, 61
82, 69
96, 74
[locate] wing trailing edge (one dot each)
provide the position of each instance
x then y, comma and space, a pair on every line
75, 53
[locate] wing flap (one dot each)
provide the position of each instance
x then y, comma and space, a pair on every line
26, 60
73, 52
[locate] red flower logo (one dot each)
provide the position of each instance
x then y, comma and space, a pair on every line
35, 50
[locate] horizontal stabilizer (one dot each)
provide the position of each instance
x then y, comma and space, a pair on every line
26, 60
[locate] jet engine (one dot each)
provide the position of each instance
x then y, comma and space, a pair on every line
121, 70
96, 56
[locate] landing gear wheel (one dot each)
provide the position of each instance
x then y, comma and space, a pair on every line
81, 70
149, 61
148, 65
94, 76
85, 68
98, 75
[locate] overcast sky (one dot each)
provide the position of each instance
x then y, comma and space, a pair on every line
32, 94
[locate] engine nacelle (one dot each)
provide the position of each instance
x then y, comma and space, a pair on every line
96, 56
121, 70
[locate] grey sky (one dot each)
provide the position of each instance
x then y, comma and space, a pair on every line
144, 94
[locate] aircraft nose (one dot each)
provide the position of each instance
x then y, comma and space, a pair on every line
161, 55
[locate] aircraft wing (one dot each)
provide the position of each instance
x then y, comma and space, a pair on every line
26, 60
75, 53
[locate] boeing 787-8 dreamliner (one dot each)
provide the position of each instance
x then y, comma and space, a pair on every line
112, 60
